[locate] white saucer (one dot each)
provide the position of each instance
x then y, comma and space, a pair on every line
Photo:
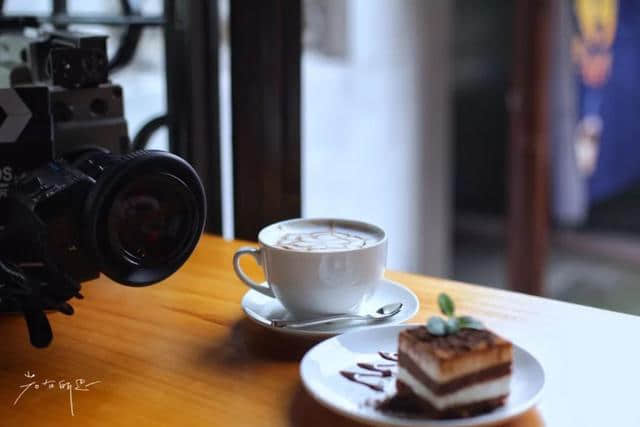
262, 309
320, 371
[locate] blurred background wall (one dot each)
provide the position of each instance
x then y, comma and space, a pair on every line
376, 127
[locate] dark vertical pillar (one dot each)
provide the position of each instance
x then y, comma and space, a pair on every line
528, 228
191, 44
265, 91
60, 9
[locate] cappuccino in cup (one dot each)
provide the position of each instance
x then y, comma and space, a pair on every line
318, 266
320, 236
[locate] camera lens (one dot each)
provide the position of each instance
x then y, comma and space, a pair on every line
149, 220
144, 215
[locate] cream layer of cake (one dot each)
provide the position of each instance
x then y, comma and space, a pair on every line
467, 395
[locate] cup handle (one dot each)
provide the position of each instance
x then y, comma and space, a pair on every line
256, 254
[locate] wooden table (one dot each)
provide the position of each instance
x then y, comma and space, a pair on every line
183, 354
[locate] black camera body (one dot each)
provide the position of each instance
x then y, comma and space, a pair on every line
55, 98
74, 201
136, 217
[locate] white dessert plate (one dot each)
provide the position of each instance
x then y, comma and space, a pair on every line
262, 309
321, 366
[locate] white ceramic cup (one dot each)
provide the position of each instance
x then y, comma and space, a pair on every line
319, 281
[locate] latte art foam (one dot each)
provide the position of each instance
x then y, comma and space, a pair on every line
321, 235
321, 241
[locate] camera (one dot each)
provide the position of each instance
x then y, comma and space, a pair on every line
74, 200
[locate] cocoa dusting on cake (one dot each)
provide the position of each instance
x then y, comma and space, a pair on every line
463, 341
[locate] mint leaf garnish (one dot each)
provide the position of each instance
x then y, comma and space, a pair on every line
446, 304
470, 322
437, 326
453, 325
440, 327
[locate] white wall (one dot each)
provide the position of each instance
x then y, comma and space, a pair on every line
376, 129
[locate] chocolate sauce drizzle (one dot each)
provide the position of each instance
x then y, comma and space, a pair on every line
375, 370
378, 367
355, 377
389, 356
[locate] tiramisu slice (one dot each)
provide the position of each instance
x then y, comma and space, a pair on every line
453, 374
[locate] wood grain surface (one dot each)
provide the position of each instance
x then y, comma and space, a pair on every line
182, 353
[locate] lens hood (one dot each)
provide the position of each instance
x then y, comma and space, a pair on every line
144, 216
